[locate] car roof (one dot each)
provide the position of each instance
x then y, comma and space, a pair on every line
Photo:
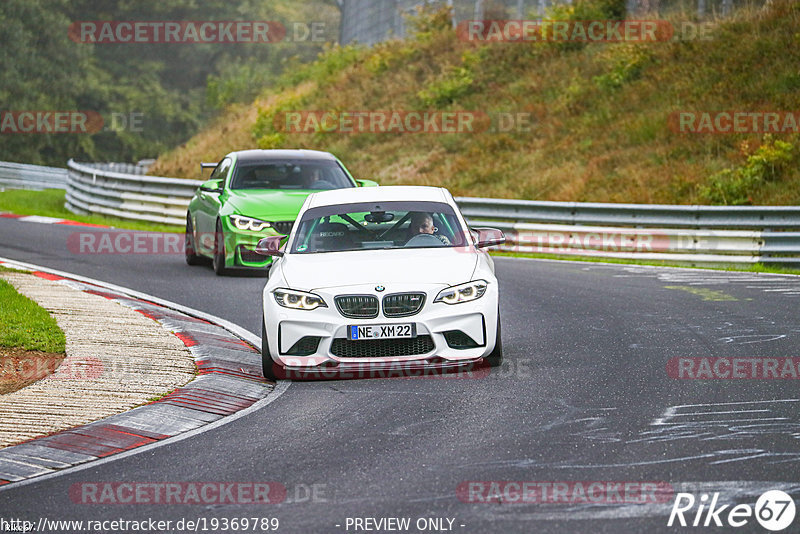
378, 194
262, 155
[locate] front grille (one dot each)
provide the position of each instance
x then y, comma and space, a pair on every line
402, 304
456, 339
381, 348
357, 306
283, 227
250, 256
304, 346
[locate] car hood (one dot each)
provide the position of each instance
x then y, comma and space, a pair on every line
447, 266
266, 204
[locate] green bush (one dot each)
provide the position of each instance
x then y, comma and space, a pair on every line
735, 186
330, 62
454, 83
626, 64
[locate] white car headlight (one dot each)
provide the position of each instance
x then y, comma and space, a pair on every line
298, 300
248, 223
462, 292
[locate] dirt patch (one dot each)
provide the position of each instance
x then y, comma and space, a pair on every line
20, 367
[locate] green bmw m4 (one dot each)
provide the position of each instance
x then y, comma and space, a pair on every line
252, 194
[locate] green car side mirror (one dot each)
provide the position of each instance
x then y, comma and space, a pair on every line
367, 183
211, 186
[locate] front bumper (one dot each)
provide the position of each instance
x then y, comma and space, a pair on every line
309, 339
240, 246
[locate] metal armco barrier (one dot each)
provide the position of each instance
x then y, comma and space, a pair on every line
693, 234
23, 176
640, 215
96, 188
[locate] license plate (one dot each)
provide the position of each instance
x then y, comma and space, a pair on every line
381, 331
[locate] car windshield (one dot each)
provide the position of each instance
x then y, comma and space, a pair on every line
385, 225
290, 174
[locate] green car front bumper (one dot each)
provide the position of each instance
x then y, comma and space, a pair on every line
240, 245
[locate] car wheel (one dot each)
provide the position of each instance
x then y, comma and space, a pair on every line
268, 365
190, 250
495, 358
219, 251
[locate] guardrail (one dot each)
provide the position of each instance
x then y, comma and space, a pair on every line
102, 189
640, 215
690, 234
694, 234
23, 176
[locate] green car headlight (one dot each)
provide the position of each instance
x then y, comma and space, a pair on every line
462, 292
248, 223
298, 300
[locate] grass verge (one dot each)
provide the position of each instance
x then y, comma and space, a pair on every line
50, 203
32, 345
25, 324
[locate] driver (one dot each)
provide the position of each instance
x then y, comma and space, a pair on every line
422, 223
315, 180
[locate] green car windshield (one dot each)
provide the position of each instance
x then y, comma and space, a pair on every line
290, 174
370, 226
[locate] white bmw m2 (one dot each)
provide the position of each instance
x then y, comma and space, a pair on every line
380, 278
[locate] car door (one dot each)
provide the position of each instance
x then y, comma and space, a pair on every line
208, 207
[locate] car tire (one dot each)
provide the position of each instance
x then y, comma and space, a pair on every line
189, 248
219, 251
495, 358
268, 365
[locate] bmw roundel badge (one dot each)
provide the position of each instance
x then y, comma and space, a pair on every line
379, 288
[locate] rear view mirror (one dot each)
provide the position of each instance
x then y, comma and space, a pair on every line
378, 217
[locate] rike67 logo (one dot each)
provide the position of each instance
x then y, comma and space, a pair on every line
774, 510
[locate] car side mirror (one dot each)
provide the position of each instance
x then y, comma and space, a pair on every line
367, 183
270, 246
488, 237
211, 186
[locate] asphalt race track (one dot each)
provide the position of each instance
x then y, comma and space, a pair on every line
584, 395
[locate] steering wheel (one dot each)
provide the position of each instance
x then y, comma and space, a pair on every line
424, 240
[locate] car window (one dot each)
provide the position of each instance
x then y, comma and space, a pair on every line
389, 225
221, 170
290, 174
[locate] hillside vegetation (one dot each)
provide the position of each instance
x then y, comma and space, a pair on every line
600, 128
151, 96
